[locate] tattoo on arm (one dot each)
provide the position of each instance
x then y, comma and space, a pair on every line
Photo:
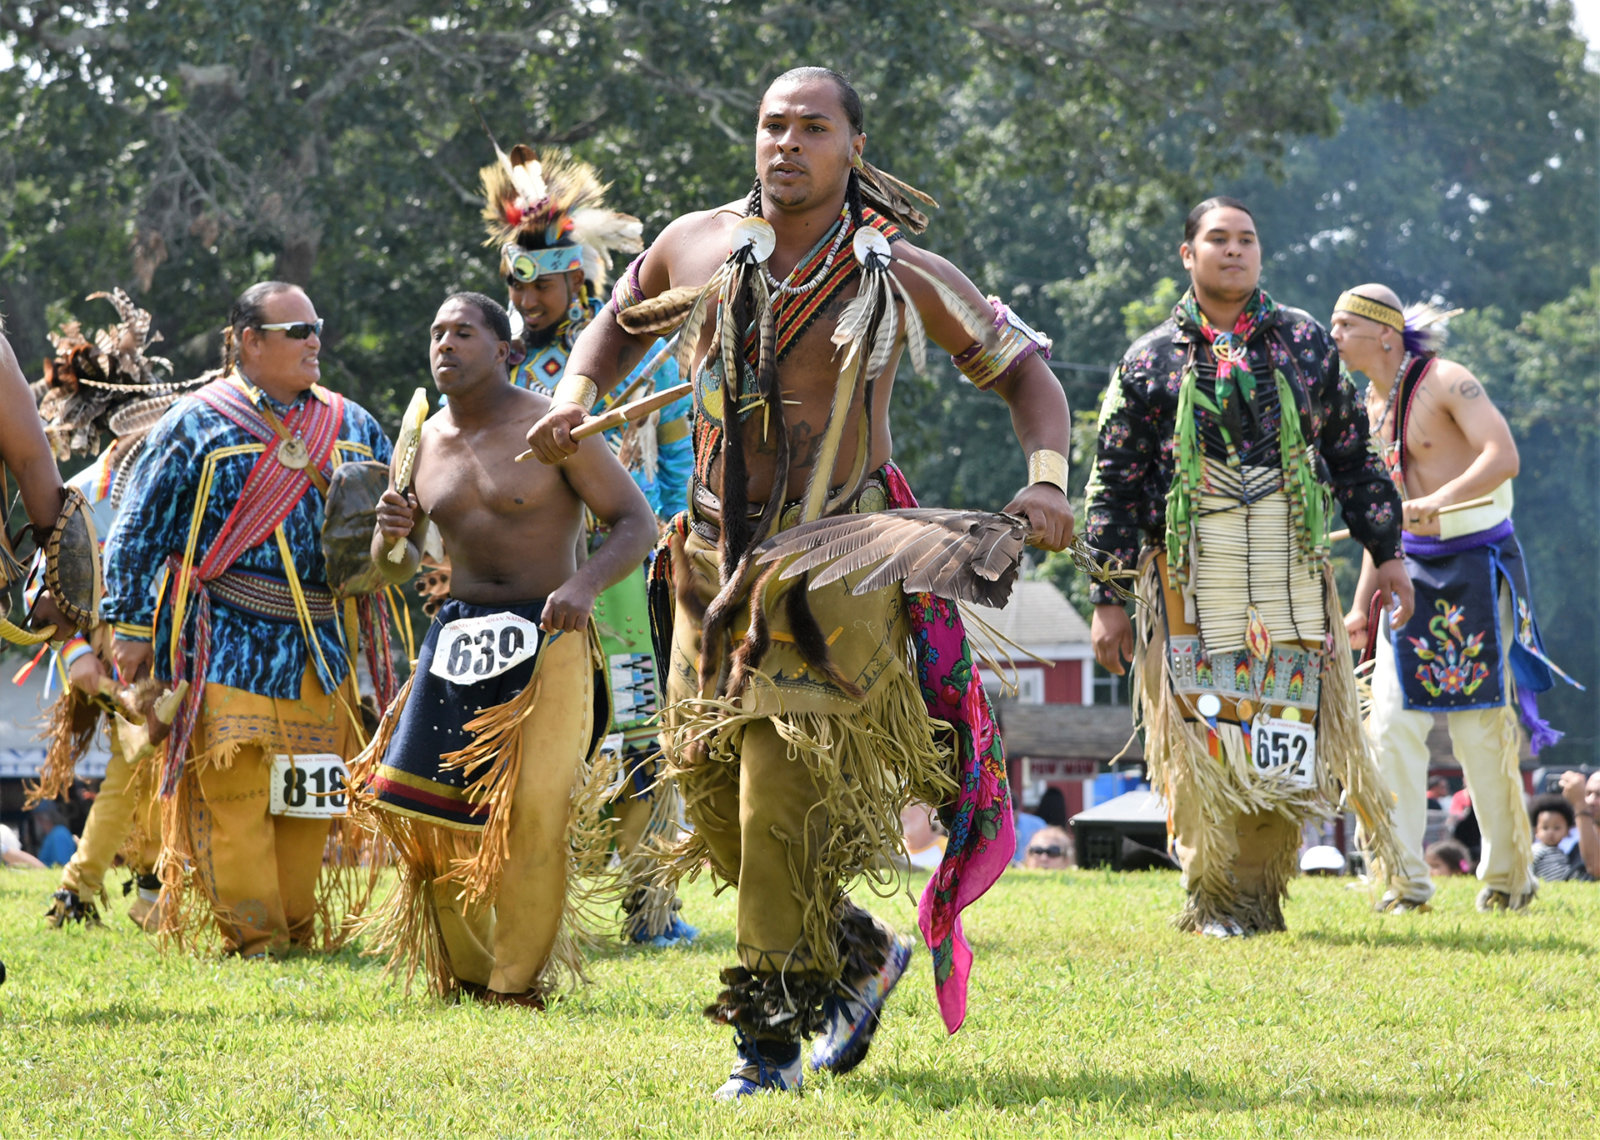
1470, 389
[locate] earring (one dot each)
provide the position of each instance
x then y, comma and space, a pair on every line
575, 310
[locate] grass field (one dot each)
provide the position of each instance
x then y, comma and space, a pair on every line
1089, 1015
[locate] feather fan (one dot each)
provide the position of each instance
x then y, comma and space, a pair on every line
970, 556
966, 556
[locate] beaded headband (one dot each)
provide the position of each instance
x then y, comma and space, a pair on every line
1373, 310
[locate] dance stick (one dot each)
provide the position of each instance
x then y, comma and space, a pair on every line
625, 413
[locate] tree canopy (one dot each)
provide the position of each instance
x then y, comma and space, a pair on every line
186, 148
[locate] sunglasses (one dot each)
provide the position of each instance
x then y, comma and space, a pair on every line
296, 330
1048, 852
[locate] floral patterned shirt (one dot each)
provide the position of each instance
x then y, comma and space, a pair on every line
1133, 466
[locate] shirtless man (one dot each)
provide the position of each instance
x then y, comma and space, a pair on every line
507, 673
1471, 645
796, 752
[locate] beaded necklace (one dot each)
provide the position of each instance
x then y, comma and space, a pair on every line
1389, 450
785, 288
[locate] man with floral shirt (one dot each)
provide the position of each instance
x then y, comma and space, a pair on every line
1225, 435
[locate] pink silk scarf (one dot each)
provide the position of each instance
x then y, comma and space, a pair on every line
982, 831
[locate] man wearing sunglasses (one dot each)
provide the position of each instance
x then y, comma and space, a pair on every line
545, 214
215, 578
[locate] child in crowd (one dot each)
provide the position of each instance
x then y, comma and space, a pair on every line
1448, 857
1553, 819
925, 842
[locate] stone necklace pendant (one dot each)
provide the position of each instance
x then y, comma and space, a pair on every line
292, 453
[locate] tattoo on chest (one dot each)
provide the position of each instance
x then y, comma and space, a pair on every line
803, 444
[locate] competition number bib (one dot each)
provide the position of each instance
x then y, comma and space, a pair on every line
1285, 749
470, 650
308, 786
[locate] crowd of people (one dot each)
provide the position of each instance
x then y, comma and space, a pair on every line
646, 659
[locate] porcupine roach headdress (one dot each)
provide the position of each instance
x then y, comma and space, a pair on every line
866, 335
1421, 326
1425, 332
546, 213
106, 386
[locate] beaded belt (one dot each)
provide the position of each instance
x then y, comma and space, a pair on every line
264, 596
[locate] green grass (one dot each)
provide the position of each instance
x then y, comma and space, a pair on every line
1089, 1014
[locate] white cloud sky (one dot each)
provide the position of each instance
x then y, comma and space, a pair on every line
1588, 19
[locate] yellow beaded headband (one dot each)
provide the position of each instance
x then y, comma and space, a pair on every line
1372, 310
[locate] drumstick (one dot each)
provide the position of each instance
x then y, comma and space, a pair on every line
1486, 501
626, 413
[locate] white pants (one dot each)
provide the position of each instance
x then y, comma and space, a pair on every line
1485, 742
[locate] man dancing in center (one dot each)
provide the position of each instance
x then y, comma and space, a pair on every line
482, 771
796, 726
1216, 434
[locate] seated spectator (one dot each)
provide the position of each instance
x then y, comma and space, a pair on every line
1049, 850
1027, 825
1448, 857
1552, 818
1583, 796
59, 843
1053, 808
924, 841
11, 852
1438, 794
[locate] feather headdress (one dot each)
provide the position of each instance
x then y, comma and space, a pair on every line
553, 204
1425, 332
88, 384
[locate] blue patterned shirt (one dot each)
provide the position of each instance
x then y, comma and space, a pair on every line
248, 652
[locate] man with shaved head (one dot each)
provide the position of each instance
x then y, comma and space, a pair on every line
1471, 648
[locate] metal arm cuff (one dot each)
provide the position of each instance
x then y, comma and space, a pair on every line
574, 388
1047, 466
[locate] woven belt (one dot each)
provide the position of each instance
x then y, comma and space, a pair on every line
705, 509
264, 596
